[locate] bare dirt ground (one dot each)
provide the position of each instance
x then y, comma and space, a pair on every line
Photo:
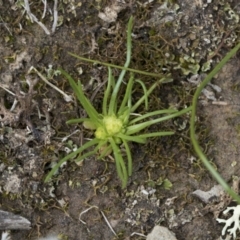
180, 38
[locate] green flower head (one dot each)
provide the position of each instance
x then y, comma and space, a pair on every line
112, 124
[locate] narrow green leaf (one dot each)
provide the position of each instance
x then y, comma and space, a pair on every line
69, 156
155, 134
131, 138
124, 115
105, 151
85, 155
123, 72
100, 144
129, 157
120, 165
138, 127
87, 105
107, 91
147, 115
127, 95
141, 100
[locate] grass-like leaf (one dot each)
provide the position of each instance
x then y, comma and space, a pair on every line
69, 156
145, 93
138, 127
128, 93
91, 111
151, 114
107, 92
129, 157
195, 143
121, 167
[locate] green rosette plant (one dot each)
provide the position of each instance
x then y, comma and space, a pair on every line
118, 123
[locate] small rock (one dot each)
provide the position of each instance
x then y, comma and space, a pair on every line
9, 221
161, 233
13, 184
213, 193
50, 237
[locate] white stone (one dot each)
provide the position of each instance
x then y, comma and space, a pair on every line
161, 233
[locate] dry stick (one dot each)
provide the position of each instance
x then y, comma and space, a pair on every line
15, 102
105, 218
55, 16
67, 98
7, 90
138, 234
33, 18
108, 223
27, 8
40, 24
45, 8
85, 212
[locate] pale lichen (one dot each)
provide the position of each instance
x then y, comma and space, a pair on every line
232, 220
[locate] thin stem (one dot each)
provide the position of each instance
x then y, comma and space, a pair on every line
116, 66
195, 143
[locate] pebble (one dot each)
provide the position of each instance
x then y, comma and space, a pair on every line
161, 233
